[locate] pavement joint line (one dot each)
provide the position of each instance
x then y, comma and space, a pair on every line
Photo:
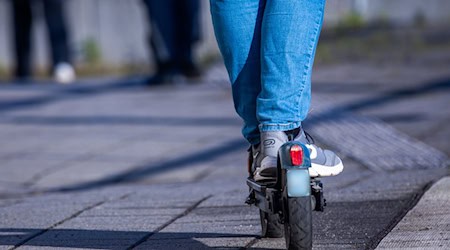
415, 198
88, 156
57, 224
140, 171
74, 215
37, 177
64, 94
184, 213
202, 175
251, 243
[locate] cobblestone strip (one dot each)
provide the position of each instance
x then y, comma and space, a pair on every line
371, 142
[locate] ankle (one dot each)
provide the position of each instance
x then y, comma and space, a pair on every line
293, 133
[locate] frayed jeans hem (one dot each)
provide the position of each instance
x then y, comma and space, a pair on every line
279, 127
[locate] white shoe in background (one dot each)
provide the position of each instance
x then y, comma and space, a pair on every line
64, 73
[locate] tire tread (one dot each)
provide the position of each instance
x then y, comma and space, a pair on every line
300, 223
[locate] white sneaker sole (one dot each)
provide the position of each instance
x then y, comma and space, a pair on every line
317, 170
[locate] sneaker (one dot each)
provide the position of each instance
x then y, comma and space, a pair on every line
324, 162
190, 70
64, 73
264, 166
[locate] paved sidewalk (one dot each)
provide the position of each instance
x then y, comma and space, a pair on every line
113, 164
427, 225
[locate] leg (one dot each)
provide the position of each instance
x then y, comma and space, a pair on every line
188, 29
54, 16
22, 18
289, 36
237, 26
163, 37
290, 32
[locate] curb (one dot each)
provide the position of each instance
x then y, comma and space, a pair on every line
426, 226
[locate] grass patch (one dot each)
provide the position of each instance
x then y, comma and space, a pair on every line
384, 45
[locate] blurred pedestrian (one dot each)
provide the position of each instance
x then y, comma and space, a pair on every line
175, 28
23, 14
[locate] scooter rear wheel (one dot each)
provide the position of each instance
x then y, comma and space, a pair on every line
298, 227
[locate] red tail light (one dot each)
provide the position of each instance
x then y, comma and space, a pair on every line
296, 155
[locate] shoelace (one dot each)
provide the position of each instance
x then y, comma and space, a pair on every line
309, 138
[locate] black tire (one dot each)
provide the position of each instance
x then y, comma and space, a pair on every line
298, 227
270, 225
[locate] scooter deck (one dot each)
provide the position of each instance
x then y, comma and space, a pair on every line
267, 198
264, 196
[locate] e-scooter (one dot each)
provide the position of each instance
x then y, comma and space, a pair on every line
290, 199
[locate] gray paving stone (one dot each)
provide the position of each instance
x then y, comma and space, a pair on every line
117, 224
395, 185
9, 202
80, 172
34, 215
199, 241
21, 171
232, 227
277, 243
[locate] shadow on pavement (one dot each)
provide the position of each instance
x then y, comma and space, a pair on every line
355, 225
60, 93
103, 239
120, 120
404, 118
141, 172
442, 84
380, 99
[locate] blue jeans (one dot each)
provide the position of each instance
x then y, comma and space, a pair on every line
268, 47
57, 30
